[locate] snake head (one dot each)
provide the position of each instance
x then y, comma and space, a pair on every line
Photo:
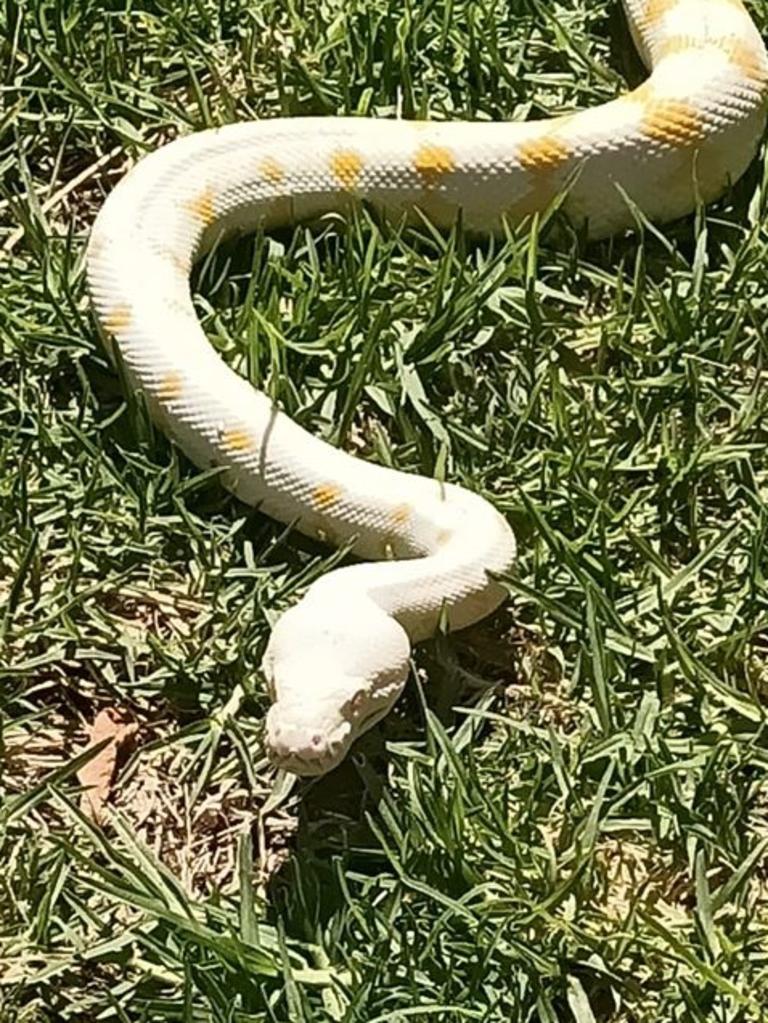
332, 670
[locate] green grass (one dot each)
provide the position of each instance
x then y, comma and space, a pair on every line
566, 819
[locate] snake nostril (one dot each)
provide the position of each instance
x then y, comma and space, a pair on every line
317, 741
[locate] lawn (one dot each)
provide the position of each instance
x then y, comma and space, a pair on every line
566, 817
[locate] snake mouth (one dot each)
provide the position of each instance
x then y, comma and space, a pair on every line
303, 764
310, 754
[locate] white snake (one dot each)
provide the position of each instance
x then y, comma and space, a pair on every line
338, 659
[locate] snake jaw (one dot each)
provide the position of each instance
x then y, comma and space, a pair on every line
314, 747
311, 739
303, 747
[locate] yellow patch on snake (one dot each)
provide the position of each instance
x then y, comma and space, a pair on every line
170, 387
272, 170
656, 9
747, 59
326, 495
201, 206
117, 319
432, 163
673, 122
401, 515
346, 166
236, 441
545, 153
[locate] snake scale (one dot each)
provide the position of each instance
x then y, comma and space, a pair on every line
430, 552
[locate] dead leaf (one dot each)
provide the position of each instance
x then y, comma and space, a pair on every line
98, 774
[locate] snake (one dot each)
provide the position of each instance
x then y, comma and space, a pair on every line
425, 555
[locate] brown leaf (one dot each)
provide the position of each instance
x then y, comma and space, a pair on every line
98, 774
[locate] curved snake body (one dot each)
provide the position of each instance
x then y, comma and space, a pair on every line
338, 659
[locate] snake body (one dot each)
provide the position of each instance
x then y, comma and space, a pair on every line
338, 659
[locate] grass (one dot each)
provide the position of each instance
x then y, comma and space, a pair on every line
566, 819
